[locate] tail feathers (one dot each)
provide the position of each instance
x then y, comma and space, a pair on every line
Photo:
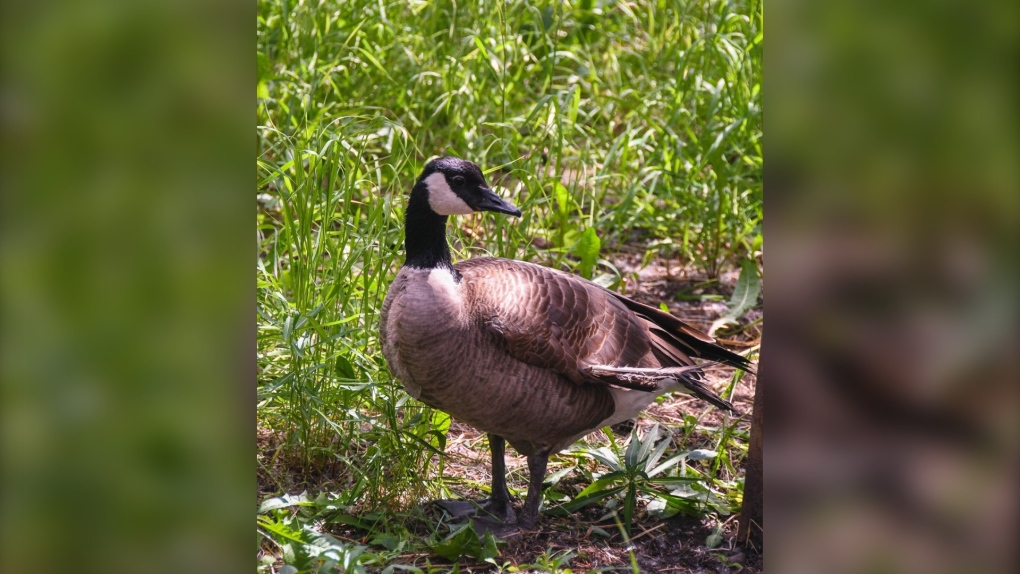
700, 390
687, 338
648, 380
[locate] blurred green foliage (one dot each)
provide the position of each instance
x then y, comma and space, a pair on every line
893, 258
126, 333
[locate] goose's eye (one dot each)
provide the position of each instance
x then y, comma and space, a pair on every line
458, 180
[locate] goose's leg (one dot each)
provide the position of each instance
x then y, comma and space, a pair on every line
499, 504
536, 467
508, 527
496, 509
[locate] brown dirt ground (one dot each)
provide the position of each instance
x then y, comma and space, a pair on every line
673, 545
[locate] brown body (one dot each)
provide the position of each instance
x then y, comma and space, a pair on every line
504, 346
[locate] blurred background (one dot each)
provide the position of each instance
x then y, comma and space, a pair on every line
890, 359
127, 361
126, 336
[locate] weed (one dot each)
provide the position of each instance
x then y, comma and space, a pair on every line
636, 474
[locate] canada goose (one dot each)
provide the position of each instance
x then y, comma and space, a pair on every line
527, 354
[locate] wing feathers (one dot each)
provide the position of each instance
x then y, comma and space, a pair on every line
700, 344
588, 334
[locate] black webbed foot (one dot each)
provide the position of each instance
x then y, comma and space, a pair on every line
492, 510
484, 525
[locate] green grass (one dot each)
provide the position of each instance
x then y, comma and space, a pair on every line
641, 121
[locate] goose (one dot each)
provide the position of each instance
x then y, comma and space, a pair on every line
529, 355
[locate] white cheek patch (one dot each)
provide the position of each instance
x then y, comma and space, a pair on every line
442, 199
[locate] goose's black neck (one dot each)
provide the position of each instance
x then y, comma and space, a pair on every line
425, 233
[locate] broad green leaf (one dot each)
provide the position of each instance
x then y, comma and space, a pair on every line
702, 454
489, 549
630, 457
351, 520
714, 539
588, 250
465, 542
745, 295
606, 457
698, 454
375, 62
654, 457
285, 501
481, 47
647, 443
562, 199
628, 506
559, 474
440, 426
580, 502
388, 541
574, 104
344, 368
265, 73
673, 480
283, 530
603, 482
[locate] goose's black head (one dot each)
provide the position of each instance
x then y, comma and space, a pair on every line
447, 186
457, 187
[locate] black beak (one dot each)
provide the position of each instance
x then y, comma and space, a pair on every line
492, 202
